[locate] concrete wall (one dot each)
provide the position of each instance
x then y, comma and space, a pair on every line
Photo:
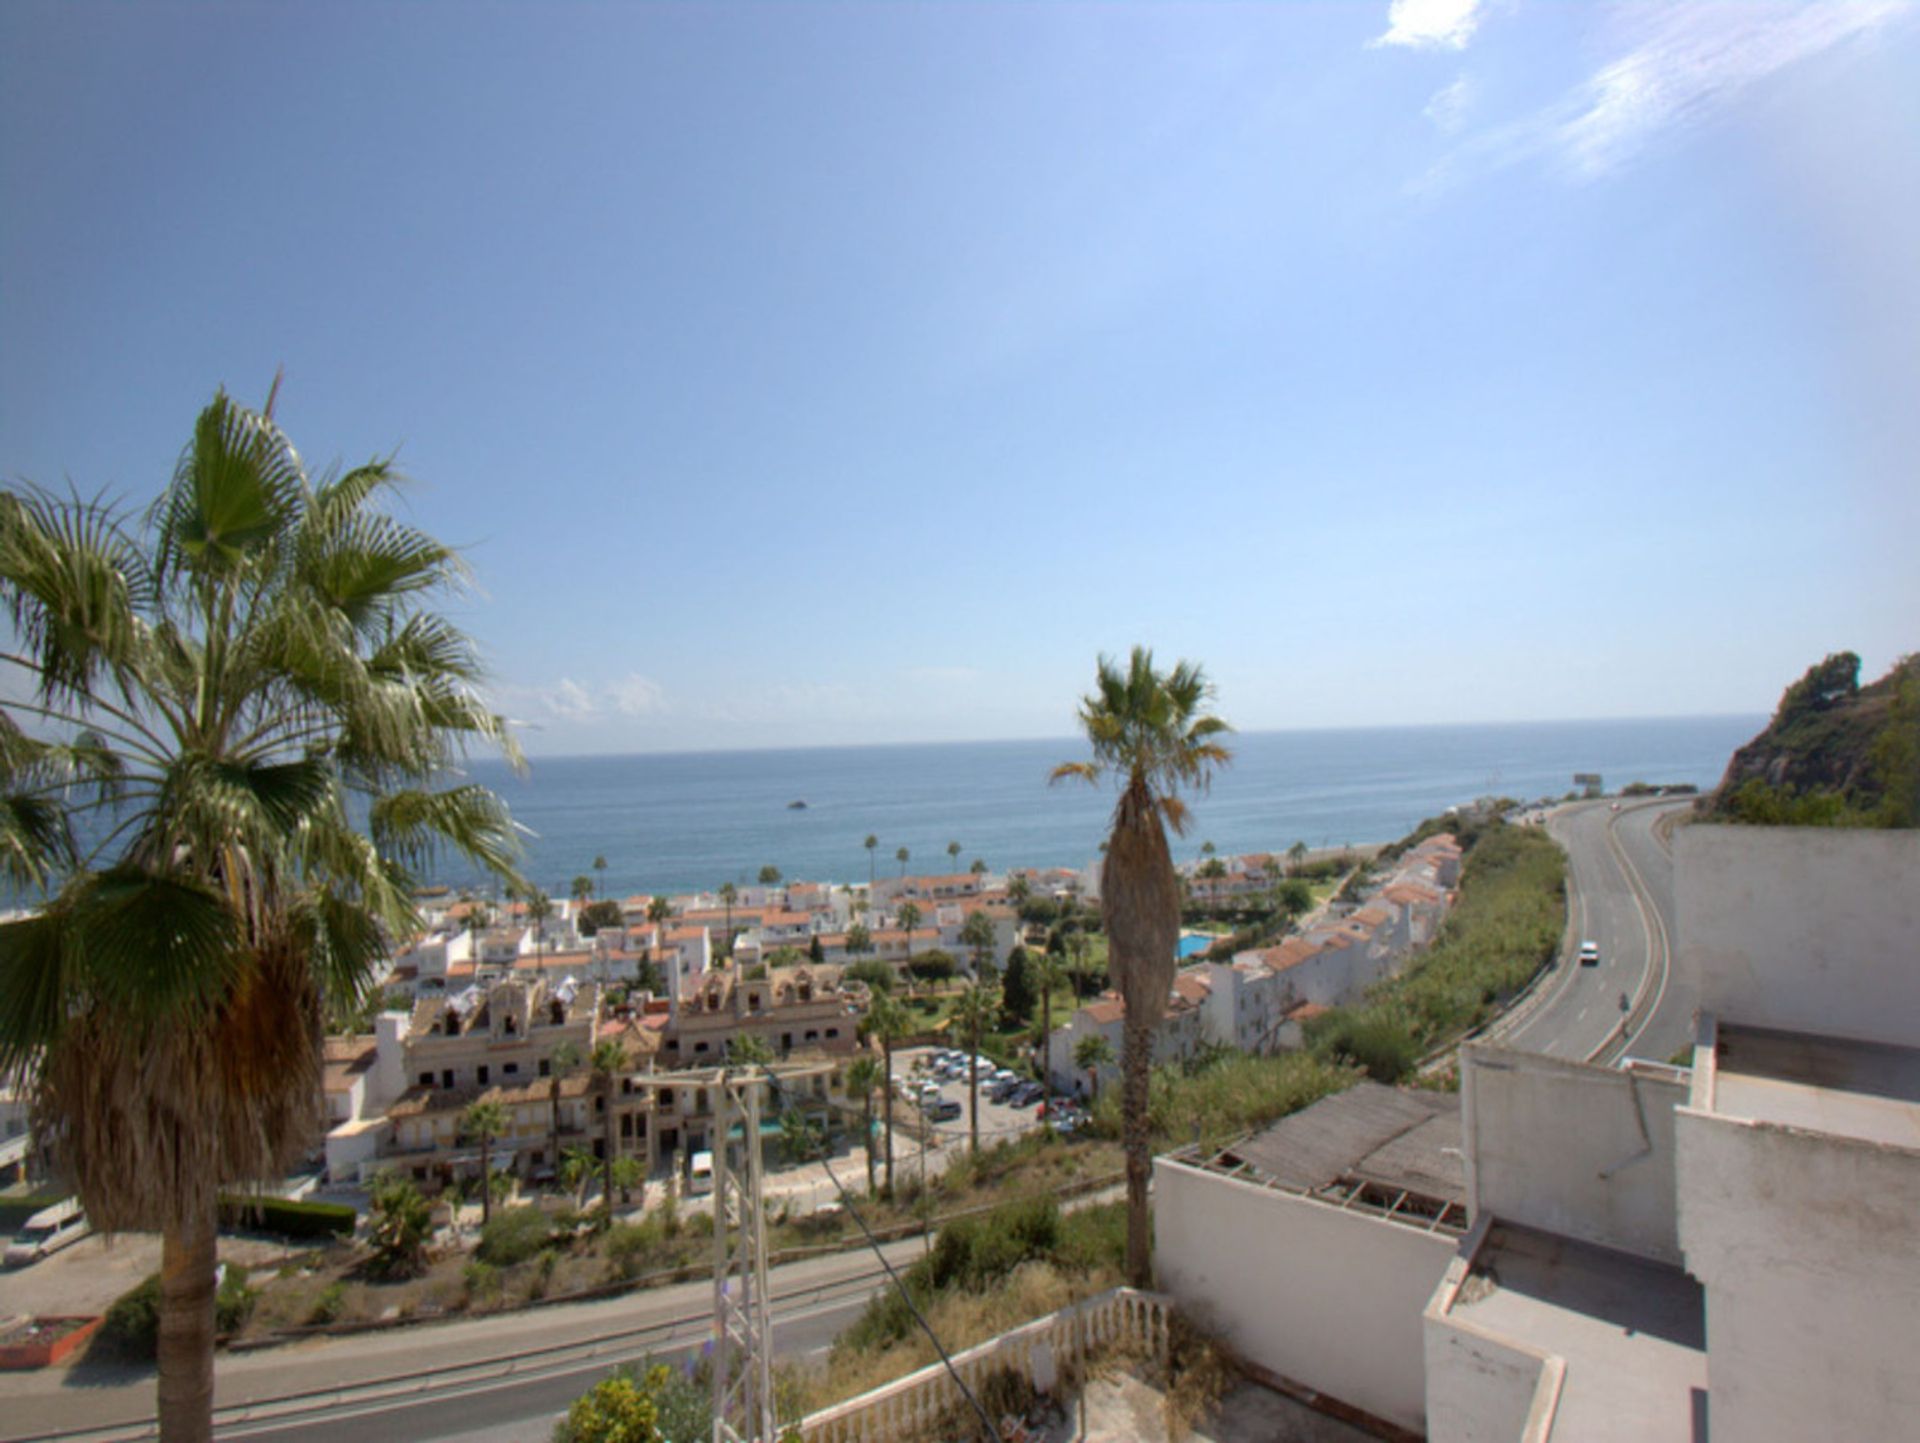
1807, 929
1482, 1388
1326, 1297
1571, 1148
1809, 1249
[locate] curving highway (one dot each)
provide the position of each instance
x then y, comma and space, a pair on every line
1620, 895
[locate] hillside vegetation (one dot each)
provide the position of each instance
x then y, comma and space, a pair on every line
1836, 753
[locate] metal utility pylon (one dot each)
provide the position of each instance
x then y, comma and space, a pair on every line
742, 1331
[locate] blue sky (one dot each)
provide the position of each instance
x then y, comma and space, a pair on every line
805, 374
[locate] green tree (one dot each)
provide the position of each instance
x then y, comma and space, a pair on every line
749, 1049
617, 1410
483, 1122
1150, 734
870, 844
859, 939
562, 1061
598, 916
802, 1136
909, 918
977, 933
862, 1078
581, 888
1047, 972
974, 1012
769, 876
877, 974
608, 1061
577, 1167
728, 893
816, 953
599, 872
231, 676
953, 854
1017, 993
1294, 897
1296, 856
627, 1173
539, 910
902, 857
887, 1022
659, 912
979, 867
399, 1228
1090, 1054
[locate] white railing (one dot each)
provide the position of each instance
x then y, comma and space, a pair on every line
1041, 1351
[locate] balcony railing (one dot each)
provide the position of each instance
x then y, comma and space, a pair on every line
923, 1403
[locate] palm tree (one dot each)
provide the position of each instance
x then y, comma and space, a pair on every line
484, 1121
953, 854
769, 875
977, 933
749, 1049
539, 909
871, 843
979, 867
1048, 972
728, 894
576, 1171
565, 1058
659, 912
977, 1007
608, 1061
901, 857
909, 917
1149, 733
1090, 1054
581, 887
887, 1020
862, 1077
1296, 854
218, 686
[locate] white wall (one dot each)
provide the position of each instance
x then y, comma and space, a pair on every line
1322, 1296
1571, 1148
1805, 929
1809, 1248
1482, 1388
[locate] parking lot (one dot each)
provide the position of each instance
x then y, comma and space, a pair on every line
998, 1121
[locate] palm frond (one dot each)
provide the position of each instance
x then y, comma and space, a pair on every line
236, 492
73, 585
34, 987
154, 948
417, 826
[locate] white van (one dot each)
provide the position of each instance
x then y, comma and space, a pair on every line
700, 1180
47, 1231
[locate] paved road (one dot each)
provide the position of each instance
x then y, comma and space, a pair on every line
506, 1376
1621, 897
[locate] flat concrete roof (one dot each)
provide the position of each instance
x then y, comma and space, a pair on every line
1633, 1332
1864, 1090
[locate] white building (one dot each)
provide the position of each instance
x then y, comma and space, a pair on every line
1653, 1252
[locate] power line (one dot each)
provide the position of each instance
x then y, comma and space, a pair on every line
906, 1296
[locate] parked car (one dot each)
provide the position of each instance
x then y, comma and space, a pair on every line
1001, 1088
47, 1231
1026, 1095
944, 1111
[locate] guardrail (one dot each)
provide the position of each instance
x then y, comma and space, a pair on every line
923, 1403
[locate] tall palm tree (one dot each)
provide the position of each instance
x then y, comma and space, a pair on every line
216, 688
539, 910
953, 854
608, 1061
862, 1077
871, 842
566, 1056
659, 912
581, 888
976, 1009
483, 1122
887, 1020
1090, 1054
909, 917
902, 856
599, 872
728, 892
1150, 734
1047, 971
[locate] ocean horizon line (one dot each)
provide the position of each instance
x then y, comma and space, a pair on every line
1069, 739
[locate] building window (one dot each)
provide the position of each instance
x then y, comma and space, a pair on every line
666, 1097
833, 1032
813, 1034
426, 1079
446, 1077
511, 1069
546, 1066
699, 1047
481, 1074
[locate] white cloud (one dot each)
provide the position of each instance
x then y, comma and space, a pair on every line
1448, 108
1431, 24
637, 695
1671, 68
571, 701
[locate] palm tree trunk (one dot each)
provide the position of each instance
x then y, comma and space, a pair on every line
866, 1135
1046, 1041
486, 1179
186, 1329
1137, 1046
886, 1052
606, 1150
973, 1096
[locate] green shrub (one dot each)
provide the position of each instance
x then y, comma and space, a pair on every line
287, 1218
627, 1247
132, 1325
1369, 1039
233, 1303
513, 1236
328, 1307
482, 1281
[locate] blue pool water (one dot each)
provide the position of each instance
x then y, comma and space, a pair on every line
1193, 946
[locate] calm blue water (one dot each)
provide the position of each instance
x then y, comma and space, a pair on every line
686, 821
1192, 947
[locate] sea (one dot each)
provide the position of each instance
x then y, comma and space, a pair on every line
688, 821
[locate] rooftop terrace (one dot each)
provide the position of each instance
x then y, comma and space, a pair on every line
1864, 1090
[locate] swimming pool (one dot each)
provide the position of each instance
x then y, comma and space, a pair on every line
1192, 947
